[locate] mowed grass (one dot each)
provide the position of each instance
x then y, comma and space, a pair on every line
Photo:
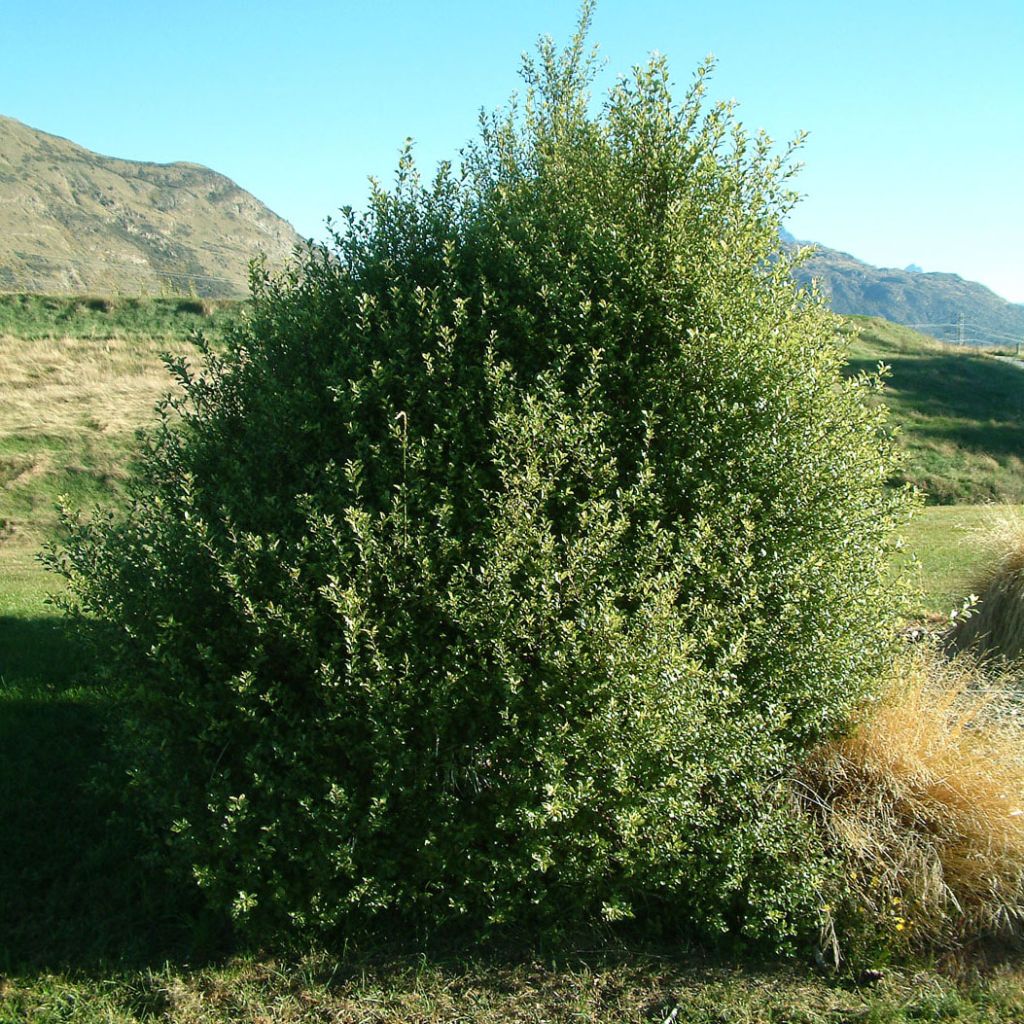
947, 548
960, 411
69, 878
90, 929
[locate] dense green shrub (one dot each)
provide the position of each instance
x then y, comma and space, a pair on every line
519, 544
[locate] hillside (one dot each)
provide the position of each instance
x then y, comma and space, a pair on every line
914, 298
960, 412
72, 221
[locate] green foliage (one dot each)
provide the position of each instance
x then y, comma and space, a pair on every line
65, 316
514, 550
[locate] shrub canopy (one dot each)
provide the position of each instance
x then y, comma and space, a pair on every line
515, 548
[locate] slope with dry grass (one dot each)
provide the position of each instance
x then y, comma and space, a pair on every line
69, 409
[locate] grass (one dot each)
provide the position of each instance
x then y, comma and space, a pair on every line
997, 626
613, 987
72, 886
90, 930
75, 883
924, 802
69, 410
947, 550
961, 413
99, 317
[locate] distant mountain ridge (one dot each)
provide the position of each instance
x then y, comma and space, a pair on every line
73, 221
931, 302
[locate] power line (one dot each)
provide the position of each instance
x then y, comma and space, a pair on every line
969, 332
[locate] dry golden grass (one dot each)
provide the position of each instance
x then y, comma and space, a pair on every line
924, 802
68, 386
69, 409
996, 629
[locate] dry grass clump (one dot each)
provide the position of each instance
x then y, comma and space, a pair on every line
997, 626
923, 803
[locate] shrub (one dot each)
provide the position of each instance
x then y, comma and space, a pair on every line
196, 307
922, 804
519, 543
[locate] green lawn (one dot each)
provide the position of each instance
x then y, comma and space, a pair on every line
960, 411
74, 884
947, 549
92, 935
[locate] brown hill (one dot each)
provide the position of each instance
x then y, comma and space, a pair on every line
943, 305
74, 221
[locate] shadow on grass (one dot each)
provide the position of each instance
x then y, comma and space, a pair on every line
77, 889
38, 654
974, 402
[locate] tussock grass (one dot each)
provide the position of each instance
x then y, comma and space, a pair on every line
923, 802
996, 629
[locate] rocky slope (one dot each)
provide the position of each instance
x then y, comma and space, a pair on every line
933, 303
72, 221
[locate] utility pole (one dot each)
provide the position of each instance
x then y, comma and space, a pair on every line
960, 328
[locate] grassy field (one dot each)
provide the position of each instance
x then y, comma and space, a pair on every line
69, 409
961, 412
947, 549
89, 930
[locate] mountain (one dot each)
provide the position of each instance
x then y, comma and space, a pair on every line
72, 221
932, 303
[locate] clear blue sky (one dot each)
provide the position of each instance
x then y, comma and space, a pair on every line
916, 110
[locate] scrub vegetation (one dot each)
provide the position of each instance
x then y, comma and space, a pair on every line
512, 551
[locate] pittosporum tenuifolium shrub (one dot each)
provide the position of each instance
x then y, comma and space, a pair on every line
520, 542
